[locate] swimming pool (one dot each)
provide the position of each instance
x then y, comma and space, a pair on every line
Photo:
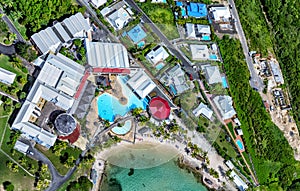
183, 12
109, 106
122, 130
141, 44
159, 66
240, 144
224, 82
213, 57
173, 89
205, 37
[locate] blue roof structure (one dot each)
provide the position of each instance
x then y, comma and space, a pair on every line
136, 34
197, 10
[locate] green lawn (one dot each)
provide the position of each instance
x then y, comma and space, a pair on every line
21, 180
162, 16
6, 64
56, 159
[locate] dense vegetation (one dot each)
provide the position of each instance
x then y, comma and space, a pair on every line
285, 21
271, 154
36, 14
162, 16
284, 38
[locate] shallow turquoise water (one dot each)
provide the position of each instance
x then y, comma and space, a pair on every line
166, 177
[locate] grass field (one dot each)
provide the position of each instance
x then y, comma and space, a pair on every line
6, 64
162, 16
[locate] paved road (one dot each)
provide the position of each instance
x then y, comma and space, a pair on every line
12, 27
186, 63
7, 50
255, 82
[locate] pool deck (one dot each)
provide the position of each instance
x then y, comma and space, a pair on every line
240, 139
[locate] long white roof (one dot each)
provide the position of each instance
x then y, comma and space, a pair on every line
141, 84
6, 76
52, 37
46, 39
76, 25
65, 37
62, 73
107, 55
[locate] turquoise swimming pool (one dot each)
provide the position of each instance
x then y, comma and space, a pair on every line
109, 106
206, 38
213, 57
224, 82
240, 144
159, 66
141, 44
122, 130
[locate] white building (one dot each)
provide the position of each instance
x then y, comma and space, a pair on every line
229, 164
46, 40
224, 104
276, 72
6, 76
57, 82
119, 18
21, 147
98, 3
212, 74
158, 54
199, 52
107, 55
196, 31
141, 84
238, 181
220, 14
61, 73
203, 110
175, 78
59, 34
237, 121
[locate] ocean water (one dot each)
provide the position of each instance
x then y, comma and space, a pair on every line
125, 171
166, 177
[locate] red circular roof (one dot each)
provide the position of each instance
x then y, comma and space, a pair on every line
159, 108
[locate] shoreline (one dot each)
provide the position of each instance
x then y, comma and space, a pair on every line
183, 161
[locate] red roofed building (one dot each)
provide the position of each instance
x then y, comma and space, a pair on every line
72, 138
159, 108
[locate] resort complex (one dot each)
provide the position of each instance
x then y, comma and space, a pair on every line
105, 95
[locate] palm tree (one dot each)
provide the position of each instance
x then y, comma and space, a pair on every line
8, 3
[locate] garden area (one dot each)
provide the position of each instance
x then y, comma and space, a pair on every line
61, 155
162, 16
76, 52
